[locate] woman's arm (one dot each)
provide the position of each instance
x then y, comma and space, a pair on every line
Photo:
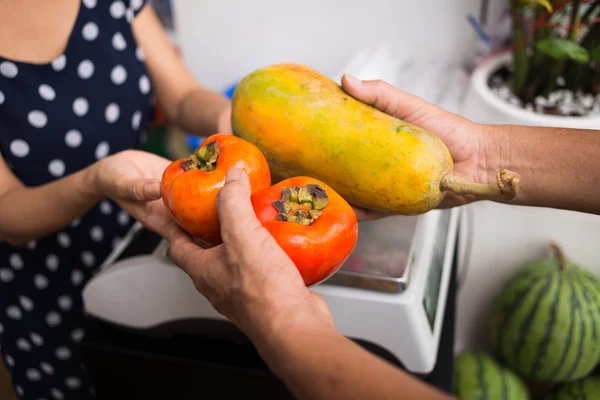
316, 362
559, 167
29, 213
185, 102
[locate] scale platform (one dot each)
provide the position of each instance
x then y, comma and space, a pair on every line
391, 291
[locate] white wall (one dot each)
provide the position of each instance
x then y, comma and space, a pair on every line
222, 40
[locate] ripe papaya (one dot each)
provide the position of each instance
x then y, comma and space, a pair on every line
306, 125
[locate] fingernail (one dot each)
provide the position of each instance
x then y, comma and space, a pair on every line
152, 190
233, 174
353, 80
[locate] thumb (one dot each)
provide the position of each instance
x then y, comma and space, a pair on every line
387, 98
141, 190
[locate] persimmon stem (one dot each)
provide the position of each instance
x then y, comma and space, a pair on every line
506, 186
302, 205
205, 159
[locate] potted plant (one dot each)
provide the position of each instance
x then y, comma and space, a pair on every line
550, 75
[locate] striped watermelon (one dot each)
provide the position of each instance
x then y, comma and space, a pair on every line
546, 321
584, 389
478, 376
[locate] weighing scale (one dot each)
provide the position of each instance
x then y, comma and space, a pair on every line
391, 292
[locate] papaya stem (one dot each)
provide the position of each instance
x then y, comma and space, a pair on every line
205, 159
506, 186
302, 205
560, 255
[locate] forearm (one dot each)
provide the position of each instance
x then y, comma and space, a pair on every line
199, 111
30, 213
316, 362
559, 167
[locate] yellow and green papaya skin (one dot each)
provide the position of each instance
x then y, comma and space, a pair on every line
305, 124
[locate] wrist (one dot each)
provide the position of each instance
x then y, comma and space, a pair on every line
89, 186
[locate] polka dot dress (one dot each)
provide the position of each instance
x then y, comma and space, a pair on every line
55, 119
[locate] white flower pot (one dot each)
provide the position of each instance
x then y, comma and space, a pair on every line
483, 106
502, 238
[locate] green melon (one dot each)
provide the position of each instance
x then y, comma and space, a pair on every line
477, 376
546, 321
584, 389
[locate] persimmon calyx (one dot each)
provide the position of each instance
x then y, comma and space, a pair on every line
205, 159
302, 205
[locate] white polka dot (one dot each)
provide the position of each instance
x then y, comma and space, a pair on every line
137, 4
72, 382
136, 119
23, 344
32, 245
73, 138
40, 281
19, 390
46, 92
122, 217
33, 374
97, 234
26, 303
19, 148
36, 339
1, 329
47, 368
53, 318
16, 261
118, 42
102, 150
75, 222
65, 303
118, 75
13, 312
112, 113
52, 262
57, 394
8, 69
59, 63
6, 275
90, 31
1, 97
37, 118
80, 106
56, 168
85, 69
77, 335
63, 239
105, 207
144, 84
63, 353
117, 9
9, 360
88, 258
89, 3
129, 15
76, 277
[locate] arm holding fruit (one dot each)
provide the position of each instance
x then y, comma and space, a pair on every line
559, 167
253, 282
132, 178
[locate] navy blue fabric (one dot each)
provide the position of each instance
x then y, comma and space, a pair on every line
55, 119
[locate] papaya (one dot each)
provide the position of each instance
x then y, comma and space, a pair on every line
307, 125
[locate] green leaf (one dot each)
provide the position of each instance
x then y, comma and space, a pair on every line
562, 49
595, 54
544, 3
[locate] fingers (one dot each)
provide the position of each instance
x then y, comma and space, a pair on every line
386, 98
234, 208
141, 190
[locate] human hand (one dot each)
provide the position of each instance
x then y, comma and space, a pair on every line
224, 121
461, 136
249, 279
132, 178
